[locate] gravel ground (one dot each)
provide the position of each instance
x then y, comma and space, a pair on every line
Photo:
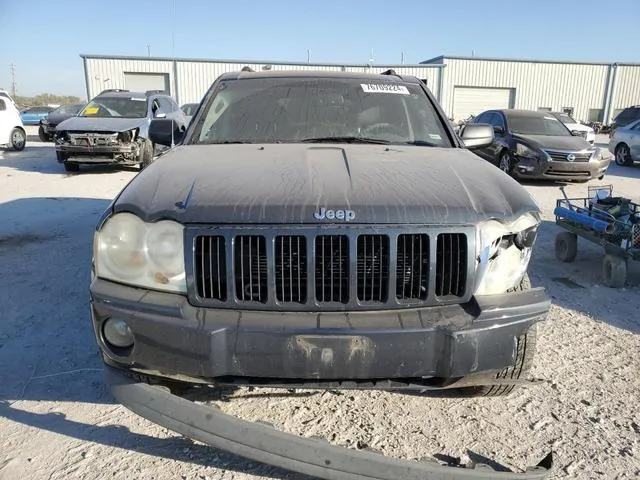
58, 421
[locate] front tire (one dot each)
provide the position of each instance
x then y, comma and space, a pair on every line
525, 349
623, 155
18, 139
146, 154
71, 166
614, 271
43, 135
505, 162
566, 247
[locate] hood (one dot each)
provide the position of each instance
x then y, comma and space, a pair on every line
87, 124
579, 127
552, 142
291, 184
56, 118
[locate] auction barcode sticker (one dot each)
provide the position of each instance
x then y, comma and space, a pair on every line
384, 88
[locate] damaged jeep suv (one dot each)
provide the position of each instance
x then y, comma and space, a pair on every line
113, 128
314, 230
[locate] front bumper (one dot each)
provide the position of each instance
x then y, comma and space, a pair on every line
122, 153
555, 170
265, 444
177, 340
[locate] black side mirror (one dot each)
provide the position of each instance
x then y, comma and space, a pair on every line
165, 131
498, 130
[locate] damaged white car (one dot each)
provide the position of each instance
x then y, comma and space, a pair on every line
113, 129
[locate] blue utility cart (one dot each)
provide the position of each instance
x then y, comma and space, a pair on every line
603, 219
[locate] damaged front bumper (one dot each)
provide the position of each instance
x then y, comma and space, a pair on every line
262, 443
101, 154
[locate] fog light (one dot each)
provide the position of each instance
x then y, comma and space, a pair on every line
117, 333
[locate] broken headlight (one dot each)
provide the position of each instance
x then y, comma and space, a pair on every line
150, 255
504, 253
128, 136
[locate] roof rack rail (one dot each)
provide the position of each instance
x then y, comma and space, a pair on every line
391, 71
113, 90
155, 92
247, 69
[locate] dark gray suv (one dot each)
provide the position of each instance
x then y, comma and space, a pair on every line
315, 230
114, 128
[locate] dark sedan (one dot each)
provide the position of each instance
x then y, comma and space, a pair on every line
537, 145
48, 124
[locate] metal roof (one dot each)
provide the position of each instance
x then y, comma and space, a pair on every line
262, 62
440, 61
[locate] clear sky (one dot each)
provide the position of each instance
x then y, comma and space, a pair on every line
44, 38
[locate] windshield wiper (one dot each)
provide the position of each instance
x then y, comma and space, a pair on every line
226, 142
421, 143
345, 140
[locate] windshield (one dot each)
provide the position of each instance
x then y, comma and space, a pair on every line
69, 109
537, 125
124, 107
627, 115
273, 110
564, 118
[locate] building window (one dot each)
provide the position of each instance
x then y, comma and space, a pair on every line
544, 109
568, 111
596, 115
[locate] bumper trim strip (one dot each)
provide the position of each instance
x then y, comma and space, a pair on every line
265, 444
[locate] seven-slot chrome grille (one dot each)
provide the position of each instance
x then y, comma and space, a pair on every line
329, 269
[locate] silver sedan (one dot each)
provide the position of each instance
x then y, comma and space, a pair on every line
625, 143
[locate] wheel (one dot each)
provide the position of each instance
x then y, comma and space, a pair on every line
623, 155
566, 246
61, 157
525, 348
43, 136
71, 166
614, 271
18, 139
146, 154
505, 163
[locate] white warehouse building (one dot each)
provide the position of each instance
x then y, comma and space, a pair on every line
463, 85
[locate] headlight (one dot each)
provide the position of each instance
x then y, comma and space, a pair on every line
128, 136
504, 253
148, 255
600, 154
525, 151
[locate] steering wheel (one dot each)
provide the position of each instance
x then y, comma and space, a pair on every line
384, 127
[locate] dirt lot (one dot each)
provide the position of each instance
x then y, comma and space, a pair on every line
58, 421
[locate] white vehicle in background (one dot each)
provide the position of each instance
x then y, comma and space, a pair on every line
5, 94
576, 127
625, 144
12, 131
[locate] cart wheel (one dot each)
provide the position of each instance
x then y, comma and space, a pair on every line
614, 271
566, 246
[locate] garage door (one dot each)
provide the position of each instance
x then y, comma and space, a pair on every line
474, 100
141, 82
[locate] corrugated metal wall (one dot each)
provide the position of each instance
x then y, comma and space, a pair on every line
195, 77
552, 85
626, 90
109, 73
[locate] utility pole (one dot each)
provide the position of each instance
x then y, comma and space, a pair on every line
13, 80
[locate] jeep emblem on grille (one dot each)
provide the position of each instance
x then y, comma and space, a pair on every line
324, 213
571, 157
